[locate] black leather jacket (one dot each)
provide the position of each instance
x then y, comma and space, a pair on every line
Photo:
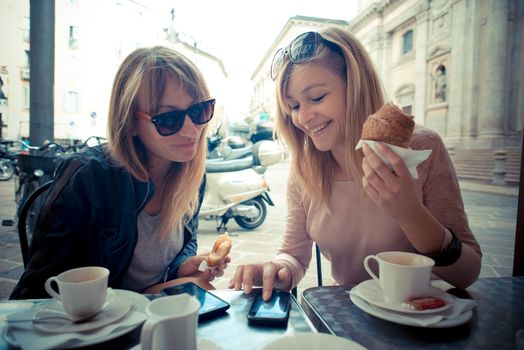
89, 217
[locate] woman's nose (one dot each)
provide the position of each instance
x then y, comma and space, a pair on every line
305, 114
189, 129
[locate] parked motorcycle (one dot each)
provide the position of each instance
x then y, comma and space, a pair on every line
6, 169
237, 188
7, 161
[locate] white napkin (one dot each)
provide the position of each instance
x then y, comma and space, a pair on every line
424, 320
412, 158
203, 266
28, 337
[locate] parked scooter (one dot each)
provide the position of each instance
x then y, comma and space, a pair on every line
214, 142
233, 147
237, 188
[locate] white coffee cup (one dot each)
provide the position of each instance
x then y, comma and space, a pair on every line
171, 323
402, 275
81, 291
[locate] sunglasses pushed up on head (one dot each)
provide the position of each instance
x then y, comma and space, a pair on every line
169, 123
301, 49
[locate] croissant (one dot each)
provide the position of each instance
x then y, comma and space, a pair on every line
220, 250
389, 125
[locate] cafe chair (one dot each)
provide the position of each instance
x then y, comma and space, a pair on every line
319, 270
22, 219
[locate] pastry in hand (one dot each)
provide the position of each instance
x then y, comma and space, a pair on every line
220, 250
389, 125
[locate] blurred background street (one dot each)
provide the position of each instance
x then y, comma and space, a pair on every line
491, 211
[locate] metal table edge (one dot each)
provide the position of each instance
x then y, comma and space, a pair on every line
303, 313
318, 316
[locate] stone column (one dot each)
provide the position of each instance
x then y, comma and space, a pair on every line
419, 107
377, 43
492, 106
470, 89
42, 64
387, 39
515, 95
455, 91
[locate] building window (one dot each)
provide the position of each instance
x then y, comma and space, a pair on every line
25, 96
405, 97
407, 42
25, 29
3, 89
73, 37
25, 72
71, 102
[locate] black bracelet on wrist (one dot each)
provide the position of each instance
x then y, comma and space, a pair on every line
450, 254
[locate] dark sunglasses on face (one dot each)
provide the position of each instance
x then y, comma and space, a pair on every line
171, 122
302, 49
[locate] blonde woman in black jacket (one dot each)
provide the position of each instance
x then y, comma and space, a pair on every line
132, 205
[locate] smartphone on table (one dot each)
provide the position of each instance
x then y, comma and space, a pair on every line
274, 312
210, 304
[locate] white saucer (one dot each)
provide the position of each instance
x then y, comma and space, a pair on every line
13, 306
138, 301
115, 308
312, 341
408, 319
202, 344
371, 292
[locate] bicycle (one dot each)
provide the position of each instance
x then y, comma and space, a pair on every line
98, 140
37, 167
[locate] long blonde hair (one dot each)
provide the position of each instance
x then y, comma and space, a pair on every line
145, 70
345, 56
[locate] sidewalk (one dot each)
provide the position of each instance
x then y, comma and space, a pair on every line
491, 210
512, 191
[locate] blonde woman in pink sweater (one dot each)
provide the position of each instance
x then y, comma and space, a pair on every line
348, 201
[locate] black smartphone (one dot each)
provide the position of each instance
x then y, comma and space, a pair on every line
210, 304
274, 312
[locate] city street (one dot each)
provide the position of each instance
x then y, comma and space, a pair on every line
492, 215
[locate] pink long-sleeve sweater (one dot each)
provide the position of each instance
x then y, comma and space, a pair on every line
356, 227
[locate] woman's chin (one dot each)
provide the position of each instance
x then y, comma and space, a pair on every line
322, 146
184, 157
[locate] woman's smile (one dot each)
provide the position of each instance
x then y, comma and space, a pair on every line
316, 131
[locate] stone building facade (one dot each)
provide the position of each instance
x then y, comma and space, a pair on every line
455, 64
